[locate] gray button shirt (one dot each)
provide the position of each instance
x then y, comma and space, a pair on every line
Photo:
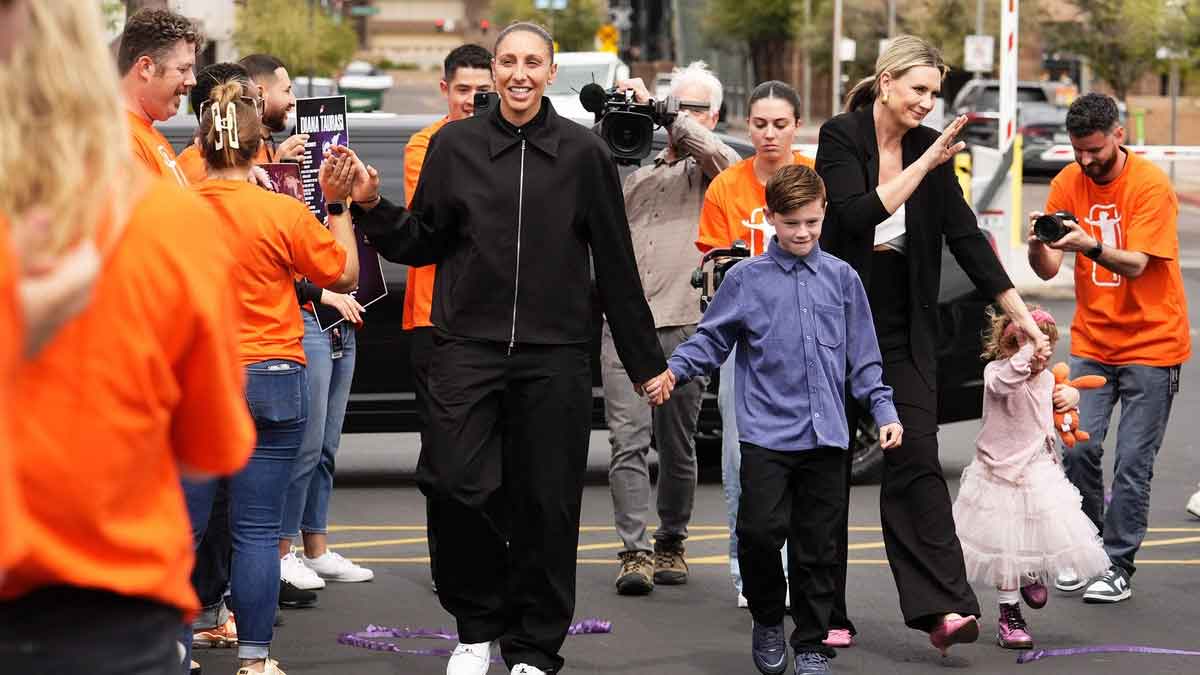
663, 201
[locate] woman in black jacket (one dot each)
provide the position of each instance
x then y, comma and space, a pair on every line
509, 205
893, 200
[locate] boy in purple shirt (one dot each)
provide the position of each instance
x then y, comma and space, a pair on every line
802, 326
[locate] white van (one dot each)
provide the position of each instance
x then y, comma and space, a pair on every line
576, 69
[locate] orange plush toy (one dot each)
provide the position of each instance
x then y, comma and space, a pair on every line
1067, 423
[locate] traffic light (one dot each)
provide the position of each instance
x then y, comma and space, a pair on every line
484, 25
440, 24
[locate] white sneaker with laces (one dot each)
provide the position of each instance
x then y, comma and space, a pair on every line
295, 573
1193, 505
470, 659
334, 567
526, 669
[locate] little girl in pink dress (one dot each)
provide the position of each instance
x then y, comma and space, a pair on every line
1018, 517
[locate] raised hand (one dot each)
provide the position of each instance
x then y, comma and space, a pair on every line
366, 184
292, 149
944, 147
337, 174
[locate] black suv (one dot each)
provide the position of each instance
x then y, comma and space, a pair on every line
382, 397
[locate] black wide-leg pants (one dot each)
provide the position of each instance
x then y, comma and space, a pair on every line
503, 472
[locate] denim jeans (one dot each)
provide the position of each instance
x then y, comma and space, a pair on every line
277, 394
1145, 394
307, 506
731, 463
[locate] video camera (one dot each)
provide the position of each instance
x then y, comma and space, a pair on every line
626, 125
718, 261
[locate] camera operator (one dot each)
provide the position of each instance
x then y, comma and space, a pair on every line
1130, 323
663, 200
509, 204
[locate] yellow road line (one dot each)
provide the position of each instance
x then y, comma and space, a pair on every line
1170, 542
724, 560
378, 542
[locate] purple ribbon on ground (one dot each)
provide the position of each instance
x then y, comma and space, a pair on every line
1038, 654
377, 638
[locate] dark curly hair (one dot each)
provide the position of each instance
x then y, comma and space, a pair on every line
1091, 113
154, 32
211, 77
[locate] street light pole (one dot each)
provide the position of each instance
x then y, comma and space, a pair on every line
837, 57
891, 19
807, 103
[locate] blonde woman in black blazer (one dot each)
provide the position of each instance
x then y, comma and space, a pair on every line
893, 200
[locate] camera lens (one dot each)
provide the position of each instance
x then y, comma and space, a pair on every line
629, 135
1049, 227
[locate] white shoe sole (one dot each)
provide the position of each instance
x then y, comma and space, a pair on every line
1071, 588
306, 584
1095, 599
1194, 510
347, 580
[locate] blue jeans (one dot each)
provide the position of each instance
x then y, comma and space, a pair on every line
731, 463
307, 506
1145, 394
277, 394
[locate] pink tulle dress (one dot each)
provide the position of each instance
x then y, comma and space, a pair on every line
1017, 515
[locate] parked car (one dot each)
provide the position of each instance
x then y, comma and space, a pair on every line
382, 399
576, 69
1041, 120
321, 86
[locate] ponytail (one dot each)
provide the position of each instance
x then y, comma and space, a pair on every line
230, 128
863, 94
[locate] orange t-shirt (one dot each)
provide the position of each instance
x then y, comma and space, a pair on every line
1121, 321
153, 150
192, 163
418, 294
733, 206
11, 340
274, 237
143, 381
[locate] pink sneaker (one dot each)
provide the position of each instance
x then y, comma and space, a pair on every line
1035, 595
839, 638
1012, 632
962, 630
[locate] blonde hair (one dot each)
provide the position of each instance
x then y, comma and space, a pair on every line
66, 148
1000, 343
217, 140
903, 53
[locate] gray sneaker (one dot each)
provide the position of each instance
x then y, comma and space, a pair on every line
770, 651
1068, 581
1112, 586
812, 663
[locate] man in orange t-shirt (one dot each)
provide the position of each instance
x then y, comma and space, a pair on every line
156, 61
467, 71
155, 390
1130, 324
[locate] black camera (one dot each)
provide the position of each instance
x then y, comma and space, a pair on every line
626, 125
1051, 226
713, 266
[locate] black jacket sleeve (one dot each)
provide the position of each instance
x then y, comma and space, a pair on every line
307, 291
420, 235
964, 239
621, 293
841, 165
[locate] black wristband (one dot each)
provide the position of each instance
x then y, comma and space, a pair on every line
335, 208
1095, 251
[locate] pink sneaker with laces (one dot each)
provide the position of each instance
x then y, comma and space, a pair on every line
1012, 633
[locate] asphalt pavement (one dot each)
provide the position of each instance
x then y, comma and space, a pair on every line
378, 520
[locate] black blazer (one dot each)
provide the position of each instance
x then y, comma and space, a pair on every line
848, 162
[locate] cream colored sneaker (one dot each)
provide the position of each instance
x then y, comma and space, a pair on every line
271, 667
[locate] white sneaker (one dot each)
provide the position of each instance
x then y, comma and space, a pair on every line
1193, 505
470, 659
295, 573
334, 567
271, 667
525, 669
1069, 581
742, 603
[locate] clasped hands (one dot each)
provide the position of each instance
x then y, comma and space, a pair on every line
658, 388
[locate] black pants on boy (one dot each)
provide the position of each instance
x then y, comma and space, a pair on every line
797, 497
64, 630
503, 472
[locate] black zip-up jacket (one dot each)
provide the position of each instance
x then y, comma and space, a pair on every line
509, 216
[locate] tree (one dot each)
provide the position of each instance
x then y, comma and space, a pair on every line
307, 40
764, 26
1117, 37
573, 28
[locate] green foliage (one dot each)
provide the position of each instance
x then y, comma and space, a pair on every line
573, 28
764, 26
1117, 37
113, 13
305, 38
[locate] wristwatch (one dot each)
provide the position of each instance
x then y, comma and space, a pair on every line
335, 208
1094, 252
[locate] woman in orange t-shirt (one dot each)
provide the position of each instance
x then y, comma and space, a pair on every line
273, 238
733, 210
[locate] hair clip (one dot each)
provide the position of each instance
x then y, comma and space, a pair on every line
231, 125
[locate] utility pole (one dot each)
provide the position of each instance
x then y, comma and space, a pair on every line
892, 19
806, 37
979, 17
837, 58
